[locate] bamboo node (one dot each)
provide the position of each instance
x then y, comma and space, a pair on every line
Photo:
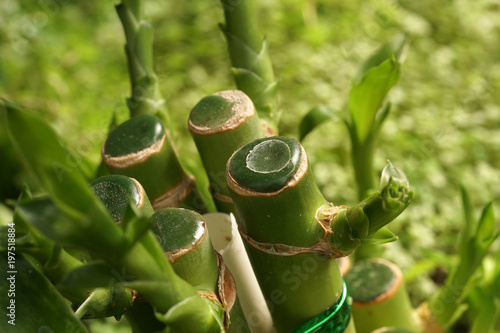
321, 247
174, 196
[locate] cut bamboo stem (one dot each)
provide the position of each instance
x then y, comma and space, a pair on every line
379, 297
141, 148
226, 120
276, 201
184, 237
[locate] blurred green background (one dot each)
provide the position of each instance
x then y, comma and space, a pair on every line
66, 58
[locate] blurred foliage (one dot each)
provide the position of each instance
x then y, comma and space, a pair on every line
66, 58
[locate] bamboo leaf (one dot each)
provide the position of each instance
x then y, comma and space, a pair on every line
94, 275
486, 233
37, 304
396, 47
382, 236
315, 117
367, 96
189, 313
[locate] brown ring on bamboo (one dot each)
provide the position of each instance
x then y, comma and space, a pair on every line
292, 182
174, 196
389, 292
176, 254
321, 247
222, 197
128, 160
243, 109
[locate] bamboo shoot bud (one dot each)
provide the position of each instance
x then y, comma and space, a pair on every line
226, 120
141, 148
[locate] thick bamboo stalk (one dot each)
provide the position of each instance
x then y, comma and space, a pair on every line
293, 235
379, 297
141, 148
276, 201
226, 120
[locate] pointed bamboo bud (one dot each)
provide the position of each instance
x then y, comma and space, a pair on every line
184, 237
141, 148
379, 297
226, 120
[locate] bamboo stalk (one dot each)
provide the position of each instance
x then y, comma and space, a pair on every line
252, 68
293, 235
379, 297
141, 148
184, 237
287, 199
145, 92
227, 241
226, 120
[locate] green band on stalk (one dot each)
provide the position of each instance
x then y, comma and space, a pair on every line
115, 191
391, 330
334, 320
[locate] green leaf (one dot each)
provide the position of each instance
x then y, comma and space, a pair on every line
486, 232
396, 47
382, 236
183, 312
94, 275
38, 306
367, 96
315, 117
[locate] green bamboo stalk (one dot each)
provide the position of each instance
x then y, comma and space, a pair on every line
183, 235
226, 120
145, 91
379, 297
293, 234
141, 148
252, 68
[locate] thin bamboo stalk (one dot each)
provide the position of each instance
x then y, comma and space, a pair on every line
252, 68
